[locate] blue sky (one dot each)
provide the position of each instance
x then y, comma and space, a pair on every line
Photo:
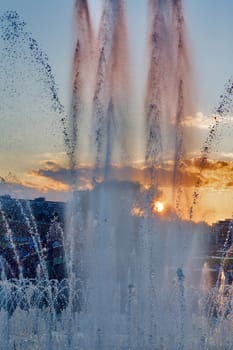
210, 28
209, 23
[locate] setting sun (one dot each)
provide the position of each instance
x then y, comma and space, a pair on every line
158, 207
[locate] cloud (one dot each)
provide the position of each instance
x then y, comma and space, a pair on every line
199, 120
207, 164
21, 188
191, 172
53, 180
228, 156
18, 190
204, 122
213, 173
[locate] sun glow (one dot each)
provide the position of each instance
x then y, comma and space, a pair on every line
136, 211
158, 207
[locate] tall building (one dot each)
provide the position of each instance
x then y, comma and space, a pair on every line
24, 231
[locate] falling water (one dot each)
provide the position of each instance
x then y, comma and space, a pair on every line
220, 112
125, 261
167, 96
80, 75
111, 86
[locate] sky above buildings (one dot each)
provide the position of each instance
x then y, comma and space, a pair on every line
209, 25
31, 142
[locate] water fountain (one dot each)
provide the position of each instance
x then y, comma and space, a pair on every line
133, 281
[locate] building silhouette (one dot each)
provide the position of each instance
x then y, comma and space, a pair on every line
24, 230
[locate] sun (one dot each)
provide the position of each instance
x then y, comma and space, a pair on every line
158, 207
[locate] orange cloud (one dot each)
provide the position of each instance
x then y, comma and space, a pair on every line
53, 181
192, 171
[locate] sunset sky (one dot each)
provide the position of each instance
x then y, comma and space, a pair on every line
33, 158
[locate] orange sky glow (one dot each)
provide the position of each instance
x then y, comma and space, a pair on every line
214, 184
